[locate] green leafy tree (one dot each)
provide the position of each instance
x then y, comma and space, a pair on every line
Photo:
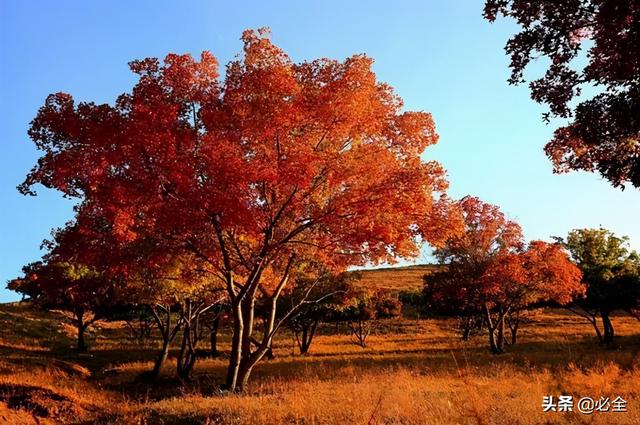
611, 271
363, 307
76, 289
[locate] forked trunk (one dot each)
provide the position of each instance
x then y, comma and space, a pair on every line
191, 313
495, 330
242, 359
168, 334
304, 336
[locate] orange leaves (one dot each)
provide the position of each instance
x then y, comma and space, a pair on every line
188, 79
551, 271
487, 232
315, 158
490, 265
122, 223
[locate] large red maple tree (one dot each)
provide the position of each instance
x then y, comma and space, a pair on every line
275, 170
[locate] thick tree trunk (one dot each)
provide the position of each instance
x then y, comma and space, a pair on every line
236, 348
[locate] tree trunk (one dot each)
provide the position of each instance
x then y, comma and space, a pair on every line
514, 333
242, 360
465, 334
492, 342
594, 322
608, 327
81, 326
168, 335
187, 356
466, 322
361, 331
500, 339
305, 336
490, 330
269, 354
236, 349
214, 337
82, 345
160, 359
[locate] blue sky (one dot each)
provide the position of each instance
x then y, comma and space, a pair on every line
441, 57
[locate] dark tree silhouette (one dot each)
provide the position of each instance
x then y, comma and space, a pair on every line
611, 272
604, 135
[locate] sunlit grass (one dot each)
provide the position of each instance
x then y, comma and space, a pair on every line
412, 372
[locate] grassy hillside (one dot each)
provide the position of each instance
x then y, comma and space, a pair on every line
412, 372
396, 279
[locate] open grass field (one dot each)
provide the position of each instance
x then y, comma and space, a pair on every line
413, 372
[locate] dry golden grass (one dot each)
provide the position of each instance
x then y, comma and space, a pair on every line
413, 372
395, 278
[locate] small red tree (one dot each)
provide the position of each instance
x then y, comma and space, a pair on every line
259, 174
541, 274
490, 273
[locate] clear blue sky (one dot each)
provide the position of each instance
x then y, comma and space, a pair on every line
441, 57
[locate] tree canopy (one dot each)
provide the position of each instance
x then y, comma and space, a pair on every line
611, 272
492, 273
274, 171
604, 133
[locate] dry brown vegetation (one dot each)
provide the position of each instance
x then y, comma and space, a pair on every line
395, 278
413, 372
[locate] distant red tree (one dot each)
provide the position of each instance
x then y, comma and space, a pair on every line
490, 274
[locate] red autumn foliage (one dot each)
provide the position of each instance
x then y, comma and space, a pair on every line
273, 171
490, 272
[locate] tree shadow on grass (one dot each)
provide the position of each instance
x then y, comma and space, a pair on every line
583, 352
